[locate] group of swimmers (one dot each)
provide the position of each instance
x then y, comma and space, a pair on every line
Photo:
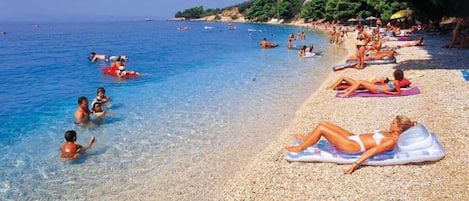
303, 51
306, 50
118, 63
70, 150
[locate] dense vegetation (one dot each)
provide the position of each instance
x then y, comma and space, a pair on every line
264, 10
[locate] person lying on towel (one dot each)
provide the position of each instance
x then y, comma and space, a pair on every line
344, 82
392, 87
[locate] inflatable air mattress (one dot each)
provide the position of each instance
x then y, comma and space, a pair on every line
375, 61
311, 54
113, 72
415, 145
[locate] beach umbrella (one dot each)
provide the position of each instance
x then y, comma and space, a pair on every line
371, 18
448, 22
401, 14
352, 20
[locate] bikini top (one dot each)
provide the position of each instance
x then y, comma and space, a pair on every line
376, 37
360, 37
391, 86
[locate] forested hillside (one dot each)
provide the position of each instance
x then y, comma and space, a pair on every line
265, 10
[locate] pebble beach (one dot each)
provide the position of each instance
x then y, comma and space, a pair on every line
442, 106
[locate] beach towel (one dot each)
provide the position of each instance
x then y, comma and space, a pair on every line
465, 74
407, 92
404, 83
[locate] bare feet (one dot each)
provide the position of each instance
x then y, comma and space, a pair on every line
295, 149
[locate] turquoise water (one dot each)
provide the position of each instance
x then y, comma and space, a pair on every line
202, 92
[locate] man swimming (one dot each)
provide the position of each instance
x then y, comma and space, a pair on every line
82, 113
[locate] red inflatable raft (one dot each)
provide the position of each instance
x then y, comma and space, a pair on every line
112, 71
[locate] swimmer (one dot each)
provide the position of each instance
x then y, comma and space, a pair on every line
302, 51
102, 98
70, 150
98, 112
121, 72
94, 57
82, 113
266, 44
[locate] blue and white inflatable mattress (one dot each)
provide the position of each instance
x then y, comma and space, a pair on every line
415, 145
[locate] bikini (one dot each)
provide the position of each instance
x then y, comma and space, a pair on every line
377, 137
357, 139
380, 90
360, 38
390, 86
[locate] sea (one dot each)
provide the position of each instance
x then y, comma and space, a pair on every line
207, 101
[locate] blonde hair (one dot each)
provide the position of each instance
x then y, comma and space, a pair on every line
404, 122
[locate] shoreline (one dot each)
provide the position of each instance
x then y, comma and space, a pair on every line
440, 107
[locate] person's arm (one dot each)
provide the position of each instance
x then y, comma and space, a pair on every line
386, 145
90, 144
94, 58
79, 116
368, 37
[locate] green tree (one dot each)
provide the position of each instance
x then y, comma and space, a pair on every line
331, 8
209, 12
314, 10
264, 10
346, 10
457, 8
385, 8
288, 9
191, 13
261, 10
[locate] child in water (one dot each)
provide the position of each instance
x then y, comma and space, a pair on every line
98, 112
70, 150
102, 98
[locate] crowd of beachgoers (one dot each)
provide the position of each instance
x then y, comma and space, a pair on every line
427, 60
384, 62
